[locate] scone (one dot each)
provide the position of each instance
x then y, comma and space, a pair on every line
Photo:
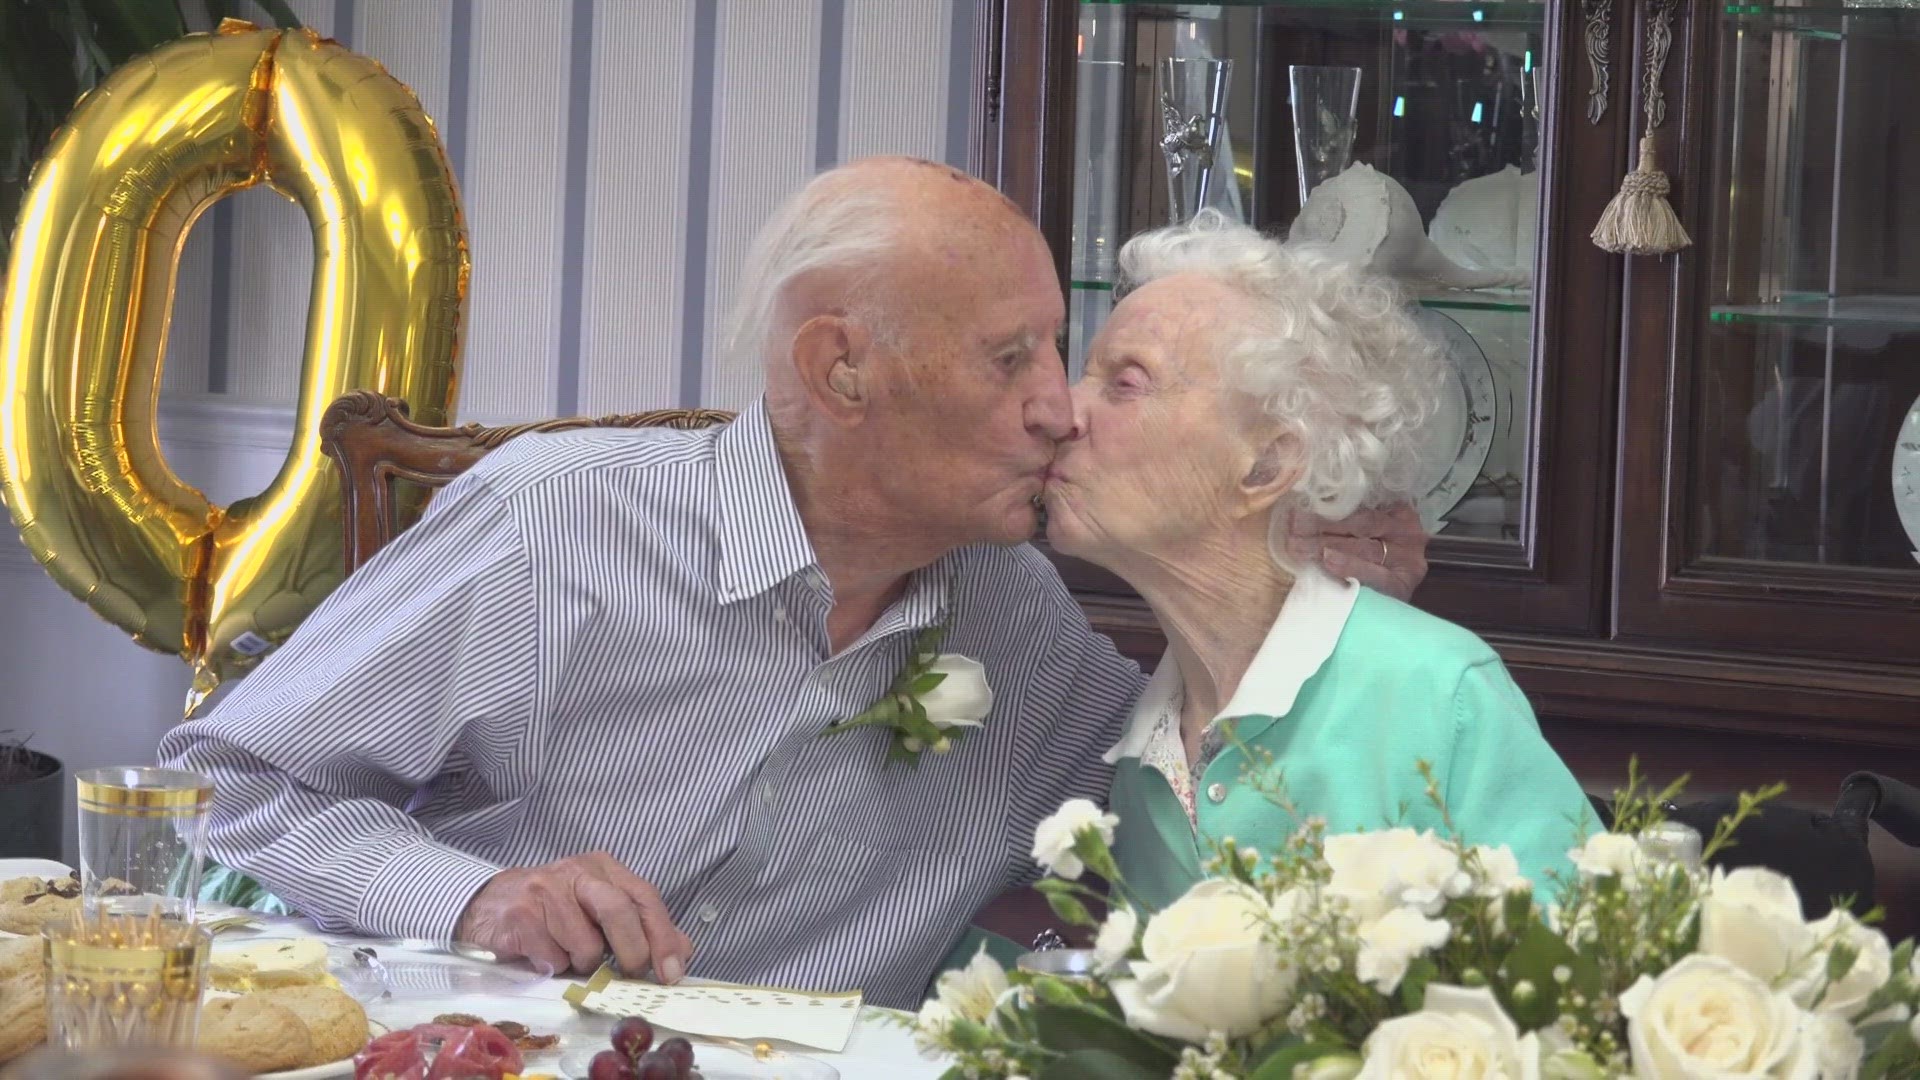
19, 955
336, 1024
23, 1012
28, 904
255, 1034
14, 888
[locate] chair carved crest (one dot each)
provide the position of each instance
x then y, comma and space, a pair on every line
375, 442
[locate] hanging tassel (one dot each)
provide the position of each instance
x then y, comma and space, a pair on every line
1639, 220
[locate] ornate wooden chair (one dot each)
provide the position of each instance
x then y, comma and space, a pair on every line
374, 442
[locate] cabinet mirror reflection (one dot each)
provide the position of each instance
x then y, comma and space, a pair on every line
1406, 135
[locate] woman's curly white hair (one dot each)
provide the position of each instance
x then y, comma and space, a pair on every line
1332, 353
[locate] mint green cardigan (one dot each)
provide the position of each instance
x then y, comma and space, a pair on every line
1399, 686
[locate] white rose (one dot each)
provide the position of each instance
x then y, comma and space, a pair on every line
1115, 939
1707, 1018
963, 698
1328, 1067
1053, 838
1872, 965
974, 990
1375, 872
1752, 917
1828, 1049
1461, 1035
1208, 966
1610, 854
1389, 943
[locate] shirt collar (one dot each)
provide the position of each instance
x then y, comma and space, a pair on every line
762, 540
1303, 636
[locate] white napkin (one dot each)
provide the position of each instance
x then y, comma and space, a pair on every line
727, 1010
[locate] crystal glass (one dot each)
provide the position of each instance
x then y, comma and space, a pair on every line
142, 839
1670, 841
1193, 109
119, 981
1326, 116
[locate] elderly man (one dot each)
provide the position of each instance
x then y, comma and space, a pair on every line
630, 643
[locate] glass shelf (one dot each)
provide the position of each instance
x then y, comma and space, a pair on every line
1481, 300
1527, 13
1478, 300
1896, 313
1827, 20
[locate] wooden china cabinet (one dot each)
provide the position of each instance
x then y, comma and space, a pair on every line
1685, 500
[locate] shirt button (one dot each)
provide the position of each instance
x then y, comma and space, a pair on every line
766, 792
1217, 793
779, 613
706, 913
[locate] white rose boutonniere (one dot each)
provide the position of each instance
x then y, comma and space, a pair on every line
1461, 1034
931, 704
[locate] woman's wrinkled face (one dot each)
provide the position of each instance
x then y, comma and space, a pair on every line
1162, 444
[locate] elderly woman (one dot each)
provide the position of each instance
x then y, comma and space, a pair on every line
1240, 383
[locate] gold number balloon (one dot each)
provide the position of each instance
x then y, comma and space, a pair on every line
89, 290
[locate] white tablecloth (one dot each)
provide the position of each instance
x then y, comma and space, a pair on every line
880, 1049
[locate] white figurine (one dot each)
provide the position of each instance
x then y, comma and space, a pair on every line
1367, 216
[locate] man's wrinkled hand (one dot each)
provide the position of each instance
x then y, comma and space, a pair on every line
1385, 550
572, 913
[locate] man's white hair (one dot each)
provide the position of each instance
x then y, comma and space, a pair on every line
831, 224
1330, 351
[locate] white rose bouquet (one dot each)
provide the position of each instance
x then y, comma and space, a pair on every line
1404, 955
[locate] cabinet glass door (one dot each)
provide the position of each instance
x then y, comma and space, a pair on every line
1407, 134
1809, 432
1793, 434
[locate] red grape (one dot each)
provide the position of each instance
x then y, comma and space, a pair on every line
611, 1065
633, 1037
656, 1066
681, 1052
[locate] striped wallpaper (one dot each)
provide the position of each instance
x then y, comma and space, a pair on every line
614, 157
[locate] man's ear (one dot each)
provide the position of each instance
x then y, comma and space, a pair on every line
827, 358
1275, 469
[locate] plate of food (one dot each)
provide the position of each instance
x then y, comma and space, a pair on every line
43, 896
300, 1028
471, 1051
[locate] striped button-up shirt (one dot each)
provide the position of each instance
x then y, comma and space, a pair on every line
616, 640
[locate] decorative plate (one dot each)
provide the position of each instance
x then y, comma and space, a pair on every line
1906, 475
1461, 433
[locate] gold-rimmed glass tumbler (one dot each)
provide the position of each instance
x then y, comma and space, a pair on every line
142, 840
